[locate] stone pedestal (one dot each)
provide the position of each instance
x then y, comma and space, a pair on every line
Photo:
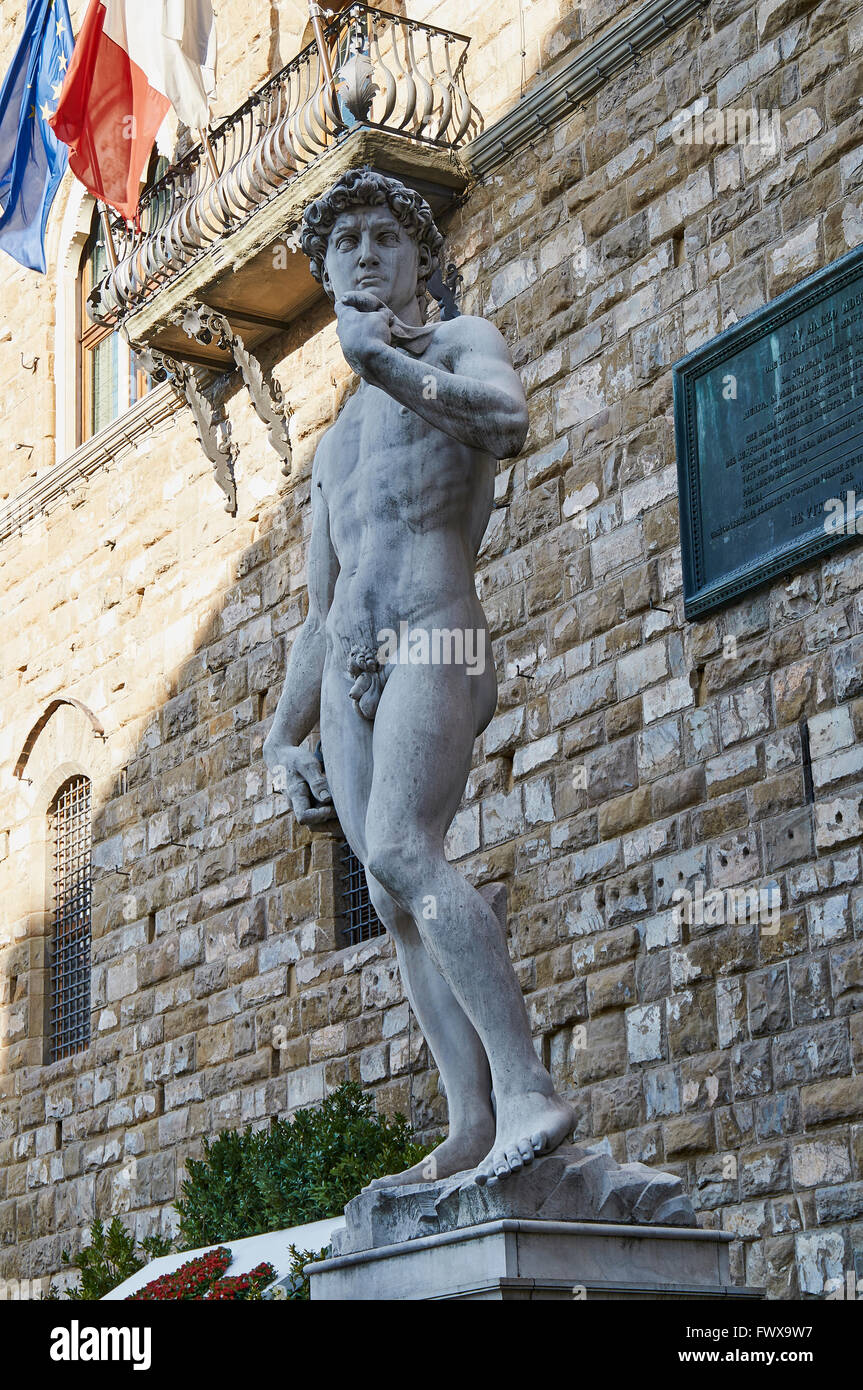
511, 1259
572, 1225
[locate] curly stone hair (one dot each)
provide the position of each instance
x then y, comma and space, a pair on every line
365, 187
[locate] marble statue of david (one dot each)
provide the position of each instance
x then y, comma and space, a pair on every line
389, 656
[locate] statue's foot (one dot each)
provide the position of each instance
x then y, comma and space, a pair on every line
454, 1155
530, 1124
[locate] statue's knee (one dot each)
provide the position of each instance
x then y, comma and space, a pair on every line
383, 902
395, 866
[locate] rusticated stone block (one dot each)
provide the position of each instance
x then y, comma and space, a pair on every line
808, 1053
827, 1101
688, 1134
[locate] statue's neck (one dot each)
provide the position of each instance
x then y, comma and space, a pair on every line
408, 313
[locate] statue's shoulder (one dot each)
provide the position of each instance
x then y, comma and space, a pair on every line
469, 332
323, 454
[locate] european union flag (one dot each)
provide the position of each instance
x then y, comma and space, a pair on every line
32, 159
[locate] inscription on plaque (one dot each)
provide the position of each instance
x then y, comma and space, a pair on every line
769, 424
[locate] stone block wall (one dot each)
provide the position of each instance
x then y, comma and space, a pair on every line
632, 754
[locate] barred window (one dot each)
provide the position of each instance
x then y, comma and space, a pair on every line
69, 818
360, 921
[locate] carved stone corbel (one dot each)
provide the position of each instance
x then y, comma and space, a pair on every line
206, 326
211, 422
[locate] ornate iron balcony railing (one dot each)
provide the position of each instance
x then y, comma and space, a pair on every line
372, 69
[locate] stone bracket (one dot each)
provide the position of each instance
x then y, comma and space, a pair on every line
445, 288
206, 325
211, 421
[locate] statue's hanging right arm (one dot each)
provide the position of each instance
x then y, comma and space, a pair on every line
298, 709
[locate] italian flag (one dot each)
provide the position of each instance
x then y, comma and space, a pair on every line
132, 61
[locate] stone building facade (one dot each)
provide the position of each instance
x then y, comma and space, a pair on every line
145, 631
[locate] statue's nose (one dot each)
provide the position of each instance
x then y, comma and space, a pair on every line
368, 252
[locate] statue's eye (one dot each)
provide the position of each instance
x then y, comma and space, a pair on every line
346, 243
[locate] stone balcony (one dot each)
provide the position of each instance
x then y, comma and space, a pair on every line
219, 228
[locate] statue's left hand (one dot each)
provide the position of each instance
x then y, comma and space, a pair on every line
364, 323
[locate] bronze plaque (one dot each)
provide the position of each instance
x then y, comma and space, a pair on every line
769, 425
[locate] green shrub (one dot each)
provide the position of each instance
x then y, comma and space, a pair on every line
295, 1171
111, 1257
300, 1287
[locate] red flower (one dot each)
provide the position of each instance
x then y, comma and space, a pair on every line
204, 1278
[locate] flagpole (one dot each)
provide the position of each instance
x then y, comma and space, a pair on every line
208, 151
109, 236
315, 13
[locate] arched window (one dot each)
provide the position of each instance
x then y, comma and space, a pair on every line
110, 377
70, 838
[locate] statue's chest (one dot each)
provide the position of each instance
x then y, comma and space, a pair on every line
389, 463
371, 430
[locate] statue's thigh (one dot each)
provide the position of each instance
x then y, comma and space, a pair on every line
423, 740
346, 743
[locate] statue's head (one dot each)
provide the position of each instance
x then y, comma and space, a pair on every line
371, 232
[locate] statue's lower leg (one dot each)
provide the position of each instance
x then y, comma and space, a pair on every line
455, 1047
464, 941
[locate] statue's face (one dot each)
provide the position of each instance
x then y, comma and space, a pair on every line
369, 249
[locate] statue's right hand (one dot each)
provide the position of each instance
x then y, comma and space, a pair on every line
298, 774
363, 324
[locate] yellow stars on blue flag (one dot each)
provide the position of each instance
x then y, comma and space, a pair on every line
32, 159
55, 62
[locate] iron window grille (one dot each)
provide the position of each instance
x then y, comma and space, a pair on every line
361, 922
70, 939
